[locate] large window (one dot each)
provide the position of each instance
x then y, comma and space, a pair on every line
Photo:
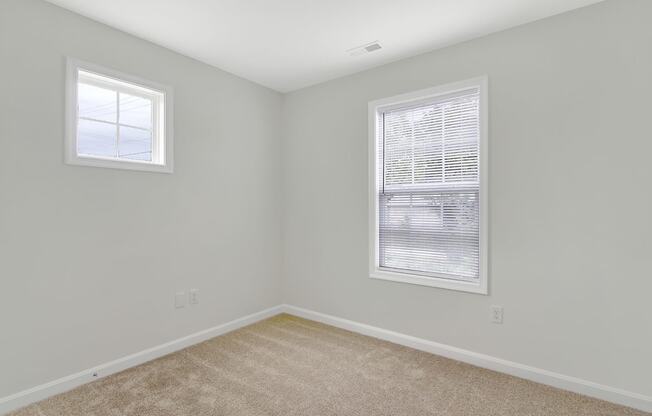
428, 187
117, 121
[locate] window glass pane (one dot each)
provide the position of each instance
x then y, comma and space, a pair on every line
428, 203
97, 103
117, 120
430, 233
433, 143
135, 144
135, 111
96, 138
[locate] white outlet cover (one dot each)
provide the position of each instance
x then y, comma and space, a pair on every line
497, 314
180, 300
194, 296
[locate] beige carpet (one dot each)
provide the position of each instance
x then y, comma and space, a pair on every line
290, 366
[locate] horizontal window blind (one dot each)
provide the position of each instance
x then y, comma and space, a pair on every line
428, 201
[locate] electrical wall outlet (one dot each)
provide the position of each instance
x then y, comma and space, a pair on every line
497, 314
180, 300
194, 296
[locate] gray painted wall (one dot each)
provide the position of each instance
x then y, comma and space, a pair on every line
90, 258
570, 197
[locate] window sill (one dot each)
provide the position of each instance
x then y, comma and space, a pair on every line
460, 286
118, 164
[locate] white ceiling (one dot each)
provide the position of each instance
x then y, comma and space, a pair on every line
289, 44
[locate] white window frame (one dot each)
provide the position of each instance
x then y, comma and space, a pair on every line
162, 129
423, 96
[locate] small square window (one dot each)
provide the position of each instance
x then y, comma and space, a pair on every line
116, 120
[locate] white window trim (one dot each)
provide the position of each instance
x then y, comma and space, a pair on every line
375, 272
165, 127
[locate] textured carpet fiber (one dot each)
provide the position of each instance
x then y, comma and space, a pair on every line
290, 366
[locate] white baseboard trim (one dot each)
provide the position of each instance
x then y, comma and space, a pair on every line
574, 384
34, 394
577, 385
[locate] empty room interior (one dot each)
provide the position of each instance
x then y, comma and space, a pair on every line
325, 207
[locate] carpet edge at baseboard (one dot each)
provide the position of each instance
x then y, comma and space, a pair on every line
574, 384
538, 375
42, 391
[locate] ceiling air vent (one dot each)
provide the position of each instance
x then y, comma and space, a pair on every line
361, 50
